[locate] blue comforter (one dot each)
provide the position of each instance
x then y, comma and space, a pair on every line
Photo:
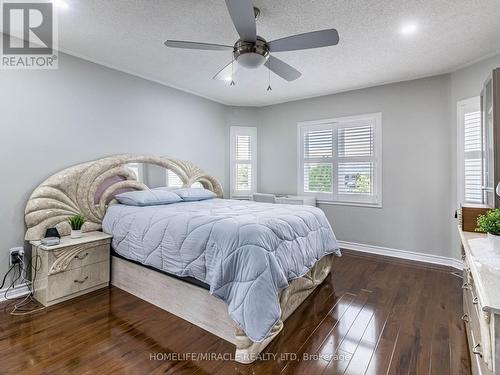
246, 251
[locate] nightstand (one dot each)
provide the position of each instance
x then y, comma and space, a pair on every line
72, 268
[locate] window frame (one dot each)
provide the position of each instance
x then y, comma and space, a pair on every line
334, 198
463, 107
233, 133
140, 170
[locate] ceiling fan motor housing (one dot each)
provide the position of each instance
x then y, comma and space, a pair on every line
251, 55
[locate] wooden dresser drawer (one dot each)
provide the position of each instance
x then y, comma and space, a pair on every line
64, 284
477, 330
478, 366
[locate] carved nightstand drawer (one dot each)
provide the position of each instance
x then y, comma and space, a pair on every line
77, 256
72, 268
65, 284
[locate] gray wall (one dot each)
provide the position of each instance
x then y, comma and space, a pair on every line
54, 119
416, 162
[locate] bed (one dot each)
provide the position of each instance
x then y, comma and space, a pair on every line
237, 269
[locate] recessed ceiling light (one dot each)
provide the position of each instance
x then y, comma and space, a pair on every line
61, 4
409, 28
228, 78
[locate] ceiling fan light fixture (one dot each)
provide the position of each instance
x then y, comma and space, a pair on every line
251, 55
251, 60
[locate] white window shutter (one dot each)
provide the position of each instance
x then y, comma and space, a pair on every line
173, 180
472, 158
243, 162
355, 172
470, 141
340, 160
243, 147
317, 167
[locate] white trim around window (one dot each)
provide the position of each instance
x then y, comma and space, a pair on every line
138, 169
243, 161
340, 160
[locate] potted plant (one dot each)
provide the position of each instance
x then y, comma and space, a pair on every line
490, 224
76, 223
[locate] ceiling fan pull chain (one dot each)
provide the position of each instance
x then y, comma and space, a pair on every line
269, 88
232, 74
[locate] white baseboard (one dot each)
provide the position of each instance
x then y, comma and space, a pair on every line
402, 254
16, 292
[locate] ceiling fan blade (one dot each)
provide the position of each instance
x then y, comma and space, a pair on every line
282, 69
243, 16
196, 45
314, 39
227, 73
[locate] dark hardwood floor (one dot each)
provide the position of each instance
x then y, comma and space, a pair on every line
372, 316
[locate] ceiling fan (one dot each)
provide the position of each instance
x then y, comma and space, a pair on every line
252, 51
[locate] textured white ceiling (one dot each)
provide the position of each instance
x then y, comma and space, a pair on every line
129, 34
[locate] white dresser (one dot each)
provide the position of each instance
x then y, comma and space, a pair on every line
481, 303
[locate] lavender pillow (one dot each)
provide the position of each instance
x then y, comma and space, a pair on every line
148, 198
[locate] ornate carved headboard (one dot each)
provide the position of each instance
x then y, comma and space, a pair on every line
74, 190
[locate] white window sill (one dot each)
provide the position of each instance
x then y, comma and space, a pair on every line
355, 204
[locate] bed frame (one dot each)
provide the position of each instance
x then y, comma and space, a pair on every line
89, 188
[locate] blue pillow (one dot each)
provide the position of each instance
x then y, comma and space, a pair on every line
147, 198
194, 194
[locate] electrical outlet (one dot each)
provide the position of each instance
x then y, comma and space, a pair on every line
15, 254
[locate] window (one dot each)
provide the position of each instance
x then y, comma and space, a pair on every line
243, 155
173, 180
470, 152
137, 168
340, 160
